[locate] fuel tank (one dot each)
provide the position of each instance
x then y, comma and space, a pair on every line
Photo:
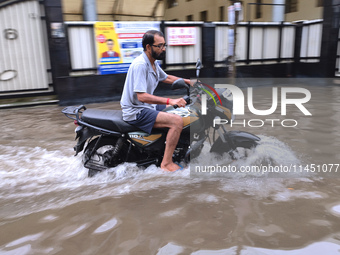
191, 117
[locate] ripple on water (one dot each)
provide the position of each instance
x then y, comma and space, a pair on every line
106, 226
312, 249
317, 248
335, 210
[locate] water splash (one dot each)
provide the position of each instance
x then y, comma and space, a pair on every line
33, 175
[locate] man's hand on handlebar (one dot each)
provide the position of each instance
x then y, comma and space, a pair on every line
180, 102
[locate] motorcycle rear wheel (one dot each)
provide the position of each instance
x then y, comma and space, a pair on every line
100, 159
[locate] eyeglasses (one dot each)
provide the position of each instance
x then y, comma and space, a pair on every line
161, 46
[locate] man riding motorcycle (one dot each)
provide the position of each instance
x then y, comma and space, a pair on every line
138, 102
111, 141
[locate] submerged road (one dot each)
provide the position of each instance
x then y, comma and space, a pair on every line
50, 206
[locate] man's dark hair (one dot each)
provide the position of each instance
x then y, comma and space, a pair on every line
149, 37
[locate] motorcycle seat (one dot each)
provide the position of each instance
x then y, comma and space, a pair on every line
108, 119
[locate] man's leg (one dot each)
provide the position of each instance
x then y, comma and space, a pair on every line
175, 124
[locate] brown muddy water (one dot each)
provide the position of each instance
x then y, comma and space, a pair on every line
49, 206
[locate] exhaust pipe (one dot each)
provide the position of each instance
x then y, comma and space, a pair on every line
196, 146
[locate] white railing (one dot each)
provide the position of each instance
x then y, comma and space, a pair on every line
269, 42
311, 41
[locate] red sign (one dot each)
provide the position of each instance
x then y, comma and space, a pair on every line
101, 38
181, 36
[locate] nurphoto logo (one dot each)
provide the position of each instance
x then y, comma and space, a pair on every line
238, 101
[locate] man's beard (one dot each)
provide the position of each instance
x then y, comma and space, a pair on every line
159, 56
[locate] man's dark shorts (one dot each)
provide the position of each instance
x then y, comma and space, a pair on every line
146, 118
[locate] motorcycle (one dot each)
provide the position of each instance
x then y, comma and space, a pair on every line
110, 141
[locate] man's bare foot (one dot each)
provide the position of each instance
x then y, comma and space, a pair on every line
171, 167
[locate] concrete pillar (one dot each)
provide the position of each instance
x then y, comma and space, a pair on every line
330, 33
58, 45
208, 48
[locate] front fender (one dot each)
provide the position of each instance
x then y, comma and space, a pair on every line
243, 139
233, 139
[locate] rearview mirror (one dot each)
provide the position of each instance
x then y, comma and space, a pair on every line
180, 84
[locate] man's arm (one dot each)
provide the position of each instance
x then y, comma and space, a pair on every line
171, 78
151, 99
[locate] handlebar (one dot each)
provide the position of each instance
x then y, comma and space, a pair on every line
196, 91
187, 100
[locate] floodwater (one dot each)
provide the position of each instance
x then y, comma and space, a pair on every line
49, 206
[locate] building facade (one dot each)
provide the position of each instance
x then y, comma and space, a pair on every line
193, 10
111, 10
253, 10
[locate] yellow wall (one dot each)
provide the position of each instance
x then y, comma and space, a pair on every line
72, 10
307, 10
135, 10
194, 7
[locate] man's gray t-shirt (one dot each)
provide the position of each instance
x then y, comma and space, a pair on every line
140, 78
